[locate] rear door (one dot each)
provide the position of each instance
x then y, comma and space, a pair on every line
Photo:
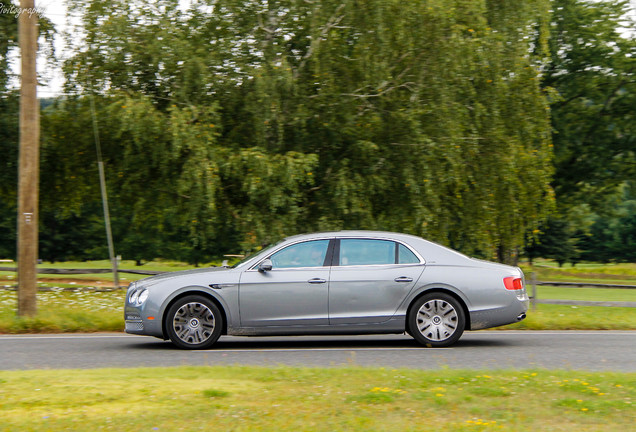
369, 279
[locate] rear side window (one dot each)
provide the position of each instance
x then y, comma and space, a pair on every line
374, 252
405, 256
366, 252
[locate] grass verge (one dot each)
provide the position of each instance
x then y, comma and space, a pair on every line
62, 311
559, 317
585, 294
302, 399
611, 273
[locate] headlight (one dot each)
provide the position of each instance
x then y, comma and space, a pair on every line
138, 297
143, 296
133, 297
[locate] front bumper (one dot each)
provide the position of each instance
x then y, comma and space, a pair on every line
142, 321
141, 318
134, 323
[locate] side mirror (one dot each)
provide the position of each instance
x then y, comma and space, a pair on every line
265, 266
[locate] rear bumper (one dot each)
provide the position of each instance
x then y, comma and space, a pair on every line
495, 317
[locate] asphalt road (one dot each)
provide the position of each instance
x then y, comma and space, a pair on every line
579, 350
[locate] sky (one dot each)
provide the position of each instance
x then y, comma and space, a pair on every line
51, 78
55, 10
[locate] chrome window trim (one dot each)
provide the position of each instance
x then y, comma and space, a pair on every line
294, 268
379, 265
254, 268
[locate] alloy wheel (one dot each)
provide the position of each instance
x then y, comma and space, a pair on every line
194, 323
437, 320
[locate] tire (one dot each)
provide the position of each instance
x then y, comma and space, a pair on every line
436, 320
194, 322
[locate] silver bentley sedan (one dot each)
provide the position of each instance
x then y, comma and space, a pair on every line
347, 282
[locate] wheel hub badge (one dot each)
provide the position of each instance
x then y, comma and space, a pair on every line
437, 320
194, 323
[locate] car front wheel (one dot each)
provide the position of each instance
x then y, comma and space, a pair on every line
194, 322
436, 320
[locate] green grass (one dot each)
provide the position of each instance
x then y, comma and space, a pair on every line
584, 294
559, 317
91, 311
303, 399
63, 311
622, 274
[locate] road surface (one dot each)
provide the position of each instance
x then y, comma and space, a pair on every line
580, 350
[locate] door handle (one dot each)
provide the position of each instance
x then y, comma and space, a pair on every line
404, 279
317, 281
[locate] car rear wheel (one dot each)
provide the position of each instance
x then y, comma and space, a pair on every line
194, 322
436, 320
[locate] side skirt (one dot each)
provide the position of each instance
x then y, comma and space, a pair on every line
392, 326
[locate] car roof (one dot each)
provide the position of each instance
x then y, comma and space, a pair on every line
353, 233
425, 248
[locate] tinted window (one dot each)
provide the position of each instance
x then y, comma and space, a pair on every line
307, 254
406, 256
366, 252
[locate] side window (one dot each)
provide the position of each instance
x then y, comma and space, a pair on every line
405, 256
366, 252
307, 254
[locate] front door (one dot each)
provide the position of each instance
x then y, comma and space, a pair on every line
295, 292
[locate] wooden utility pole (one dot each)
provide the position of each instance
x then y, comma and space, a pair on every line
29, 164
102, 184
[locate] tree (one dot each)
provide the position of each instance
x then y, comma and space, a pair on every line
592, 84
592, 78
556, 242
612, 235
238, 122
9, 126
9, 106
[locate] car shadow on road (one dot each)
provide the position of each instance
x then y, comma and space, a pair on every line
326, 343
484, 343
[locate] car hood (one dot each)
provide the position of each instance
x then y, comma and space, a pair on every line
153, 280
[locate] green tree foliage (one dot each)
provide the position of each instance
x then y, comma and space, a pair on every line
591, 78
8, 136
8, 41
593, 75
9, 121
556, 242
612, 236
9, 105
236, 122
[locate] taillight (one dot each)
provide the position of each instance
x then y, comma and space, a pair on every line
513, 283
